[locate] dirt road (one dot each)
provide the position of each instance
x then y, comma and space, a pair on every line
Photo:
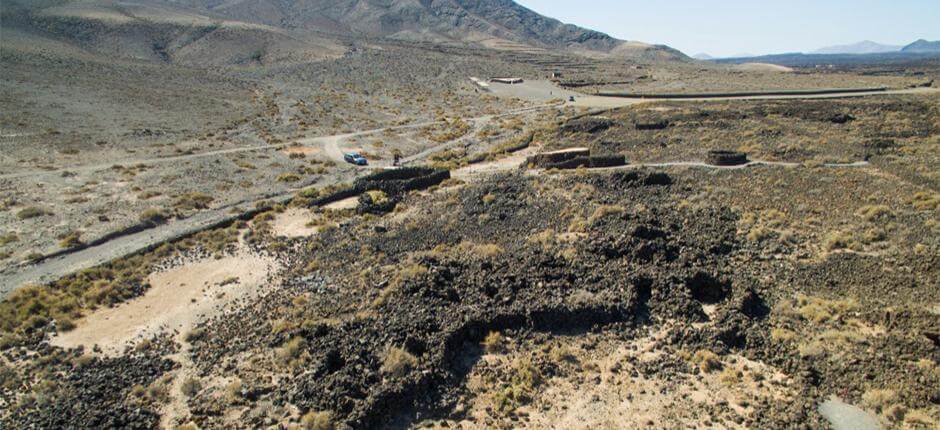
541, 90
54, 268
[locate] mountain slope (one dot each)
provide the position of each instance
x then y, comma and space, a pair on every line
922, 46
485, 22
864, 47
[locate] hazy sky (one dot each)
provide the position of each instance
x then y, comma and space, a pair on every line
730, 27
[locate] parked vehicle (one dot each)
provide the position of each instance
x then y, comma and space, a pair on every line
570, 98
354, 158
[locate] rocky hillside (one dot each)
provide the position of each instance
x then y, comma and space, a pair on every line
304, 29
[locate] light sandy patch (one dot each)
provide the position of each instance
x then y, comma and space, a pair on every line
509, 162
294, 222
305, 150
178, 298
349, 203
763, 67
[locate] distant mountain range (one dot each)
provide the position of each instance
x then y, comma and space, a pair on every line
922, 46
864, 47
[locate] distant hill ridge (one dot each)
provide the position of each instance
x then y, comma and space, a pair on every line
498, 24
864, 47
922, 46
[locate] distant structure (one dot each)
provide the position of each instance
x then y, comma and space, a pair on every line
556, 75
509, 81
483, 85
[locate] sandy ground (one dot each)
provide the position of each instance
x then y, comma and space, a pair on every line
540, 90
509, 162
177, 299
600, 388
349, 203
762, 67
293, 223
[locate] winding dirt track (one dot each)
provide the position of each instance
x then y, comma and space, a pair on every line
54, 268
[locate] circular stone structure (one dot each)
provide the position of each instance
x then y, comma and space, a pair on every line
726, 158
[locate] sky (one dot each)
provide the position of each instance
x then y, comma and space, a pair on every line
733, 27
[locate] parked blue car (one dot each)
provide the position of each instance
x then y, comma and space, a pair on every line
354, 158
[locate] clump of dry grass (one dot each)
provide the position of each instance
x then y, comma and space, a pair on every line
604, 211
397, 362
8, 238
818, 310
31, 212
481, 250
193, 201
153, 216
291, 352
494, 342
925, 200
837, 240
521, 387
71, 239
873, 213
730, 377
233, 391
706, 361
288, 177
317, 420
879, 399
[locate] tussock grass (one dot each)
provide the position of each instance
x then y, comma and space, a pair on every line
31, 212
397, 362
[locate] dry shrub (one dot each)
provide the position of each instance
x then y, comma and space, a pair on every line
521, 387
730, 377
291, 351
233, 391
377, 197
494, 342
192, 201
317, 420
919, 419
191, 387
818, 310
879, 399
837, 240
288, 177
485, 250
604, 211
153, 216
925, 200
31, 212
71, 239
397, 362
706, 361
875, 212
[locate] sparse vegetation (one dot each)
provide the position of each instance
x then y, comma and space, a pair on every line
396, 362
317, 420
31, 212
193, 201
706, 361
